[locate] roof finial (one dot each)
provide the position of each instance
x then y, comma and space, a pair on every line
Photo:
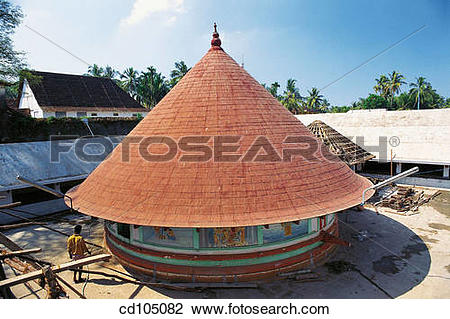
215, 42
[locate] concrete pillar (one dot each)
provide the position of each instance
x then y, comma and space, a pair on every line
398, 168
446, 171
7, 197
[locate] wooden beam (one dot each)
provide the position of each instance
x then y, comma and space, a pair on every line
20, 252
79, 294
5, 292
14, 226
9, 243
44, 226
10, 205
58, 268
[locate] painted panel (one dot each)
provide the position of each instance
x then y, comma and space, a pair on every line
228, 237
284, 231
175, 237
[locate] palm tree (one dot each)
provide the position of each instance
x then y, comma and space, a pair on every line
109, 72
325, 106
152, 87
382, 86
394, 84
129, 81
291, 98
314, 100
177, 74
95, 70
419, 88
355, 105
291, 89
274, 89
404, 101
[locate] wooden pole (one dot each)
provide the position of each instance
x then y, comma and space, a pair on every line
10, 205
20, 252
79, 294
14, 226
8, 243
391, 164
47, 227
56, 269
5, 292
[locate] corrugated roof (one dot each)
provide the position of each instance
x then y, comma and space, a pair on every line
56, 90
217, 98
33, 161
349, 152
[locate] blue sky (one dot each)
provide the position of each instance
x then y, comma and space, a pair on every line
314, 42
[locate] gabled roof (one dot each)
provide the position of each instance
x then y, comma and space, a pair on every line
67, 92
217, 97
349, 152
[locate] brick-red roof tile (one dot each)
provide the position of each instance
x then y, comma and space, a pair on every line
218, 97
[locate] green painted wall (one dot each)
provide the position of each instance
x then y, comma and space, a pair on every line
212, 263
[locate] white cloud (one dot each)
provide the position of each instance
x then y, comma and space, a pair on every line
171, 20
144, 8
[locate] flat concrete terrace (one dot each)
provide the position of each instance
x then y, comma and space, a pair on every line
405, 256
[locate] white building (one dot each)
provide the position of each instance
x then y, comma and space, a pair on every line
67, 95
411, 138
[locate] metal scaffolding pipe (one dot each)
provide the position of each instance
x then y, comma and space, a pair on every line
389, 181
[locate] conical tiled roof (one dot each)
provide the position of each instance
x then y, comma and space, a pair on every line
217, 97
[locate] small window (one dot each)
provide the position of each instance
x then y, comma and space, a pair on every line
123, 230
60, 114
134, 114
115, 114
93, 114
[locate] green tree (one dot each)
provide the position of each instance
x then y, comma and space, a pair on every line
152, 87
404, 101
109, 72
339, 109
129, 81
95, 70
373, 101
314, 100
274, 89
11, 61
396, 80
382, 86
418, 89
291, 98
178, 73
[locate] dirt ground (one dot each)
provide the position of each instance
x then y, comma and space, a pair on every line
392, 256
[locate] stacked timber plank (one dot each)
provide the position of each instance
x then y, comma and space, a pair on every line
406, 199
